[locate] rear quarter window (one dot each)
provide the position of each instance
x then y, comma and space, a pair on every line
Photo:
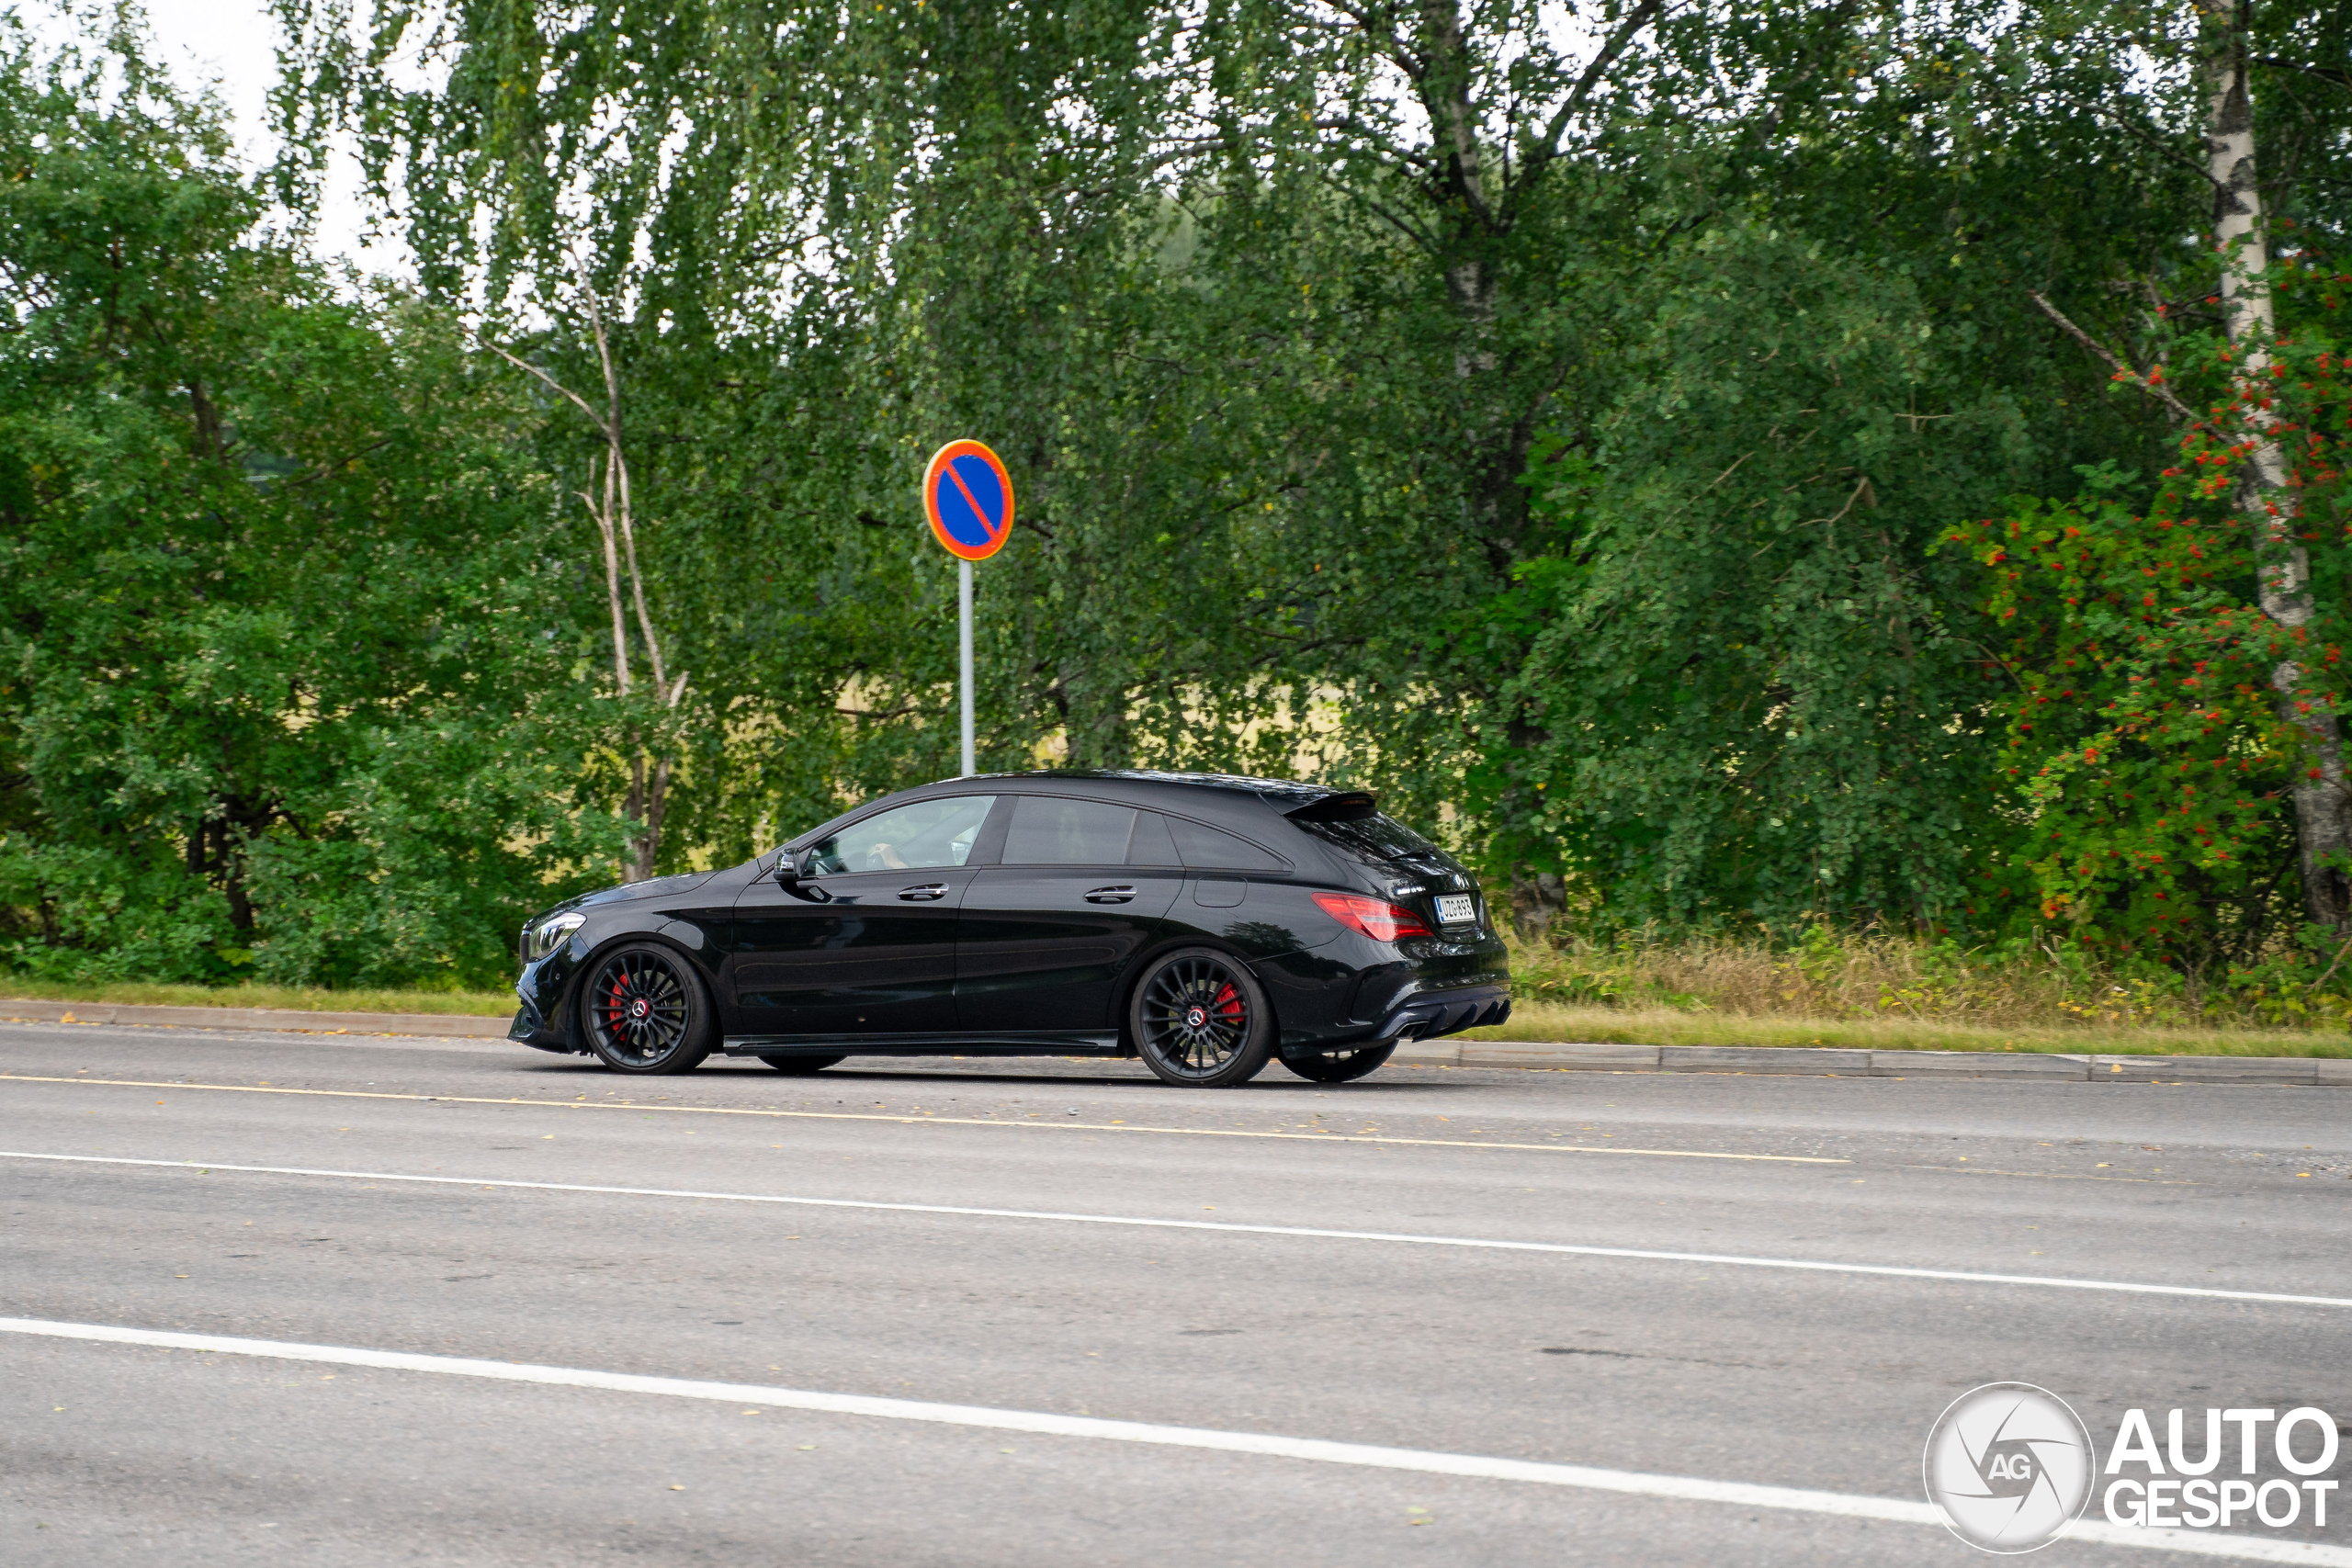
1212, 848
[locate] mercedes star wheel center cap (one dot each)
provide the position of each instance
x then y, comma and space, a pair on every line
1196, 1017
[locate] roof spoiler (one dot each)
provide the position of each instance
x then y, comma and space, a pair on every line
1347, 806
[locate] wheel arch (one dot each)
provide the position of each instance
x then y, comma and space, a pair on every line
573, 1027
1151, 953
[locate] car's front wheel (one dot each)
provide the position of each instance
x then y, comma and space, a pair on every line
1341, 1065
644, 1011
1199, 1019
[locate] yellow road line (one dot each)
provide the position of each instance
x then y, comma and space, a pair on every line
2055, 1175
923, 1121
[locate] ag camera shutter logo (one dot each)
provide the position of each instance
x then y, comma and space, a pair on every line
2009, 1466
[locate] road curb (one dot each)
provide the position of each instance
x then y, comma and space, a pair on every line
1808, 1061
1779, 1061
19, 1009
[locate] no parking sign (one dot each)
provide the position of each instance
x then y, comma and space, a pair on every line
968, 498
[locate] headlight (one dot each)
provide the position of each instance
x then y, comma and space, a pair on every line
540, 939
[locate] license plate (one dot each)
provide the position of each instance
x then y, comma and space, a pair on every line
1456, 910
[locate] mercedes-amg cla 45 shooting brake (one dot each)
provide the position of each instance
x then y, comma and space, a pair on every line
1204, 923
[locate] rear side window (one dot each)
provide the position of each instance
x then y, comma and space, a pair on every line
1047, 830
1211, 846
1370, 835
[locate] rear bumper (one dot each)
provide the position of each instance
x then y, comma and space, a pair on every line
1356, 990
1429, 1014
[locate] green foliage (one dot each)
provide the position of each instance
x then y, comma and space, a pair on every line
1558, 428
2145, 749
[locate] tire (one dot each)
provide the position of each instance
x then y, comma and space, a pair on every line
802, 1065
1339, 1064
1200, 1020
644, 1011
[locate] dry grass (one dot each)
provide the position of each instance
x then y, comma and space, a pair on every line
1668, 1026
1893, 993
294, 998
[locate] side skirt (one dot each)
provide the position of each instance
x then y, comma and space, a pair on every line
1042, 1044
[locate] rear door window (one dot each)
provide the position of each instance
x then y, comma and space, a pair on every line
1049, 831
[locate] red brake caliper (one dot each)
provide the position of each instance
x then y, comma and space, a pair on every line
619, 1009
1228, 1003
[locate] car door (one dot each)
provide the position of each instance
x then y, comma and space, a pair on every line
863, 944
1049, 931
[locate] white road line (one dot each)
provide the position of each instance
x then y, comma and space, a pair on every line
1424, 1461
921, 1119
1231, 1228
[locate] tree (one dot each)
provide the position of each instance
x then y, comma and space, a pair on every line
1274, 306
286, 689
2323, 800
2168, 646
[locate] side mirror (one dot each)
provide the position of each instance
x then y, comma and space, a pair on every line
791, 874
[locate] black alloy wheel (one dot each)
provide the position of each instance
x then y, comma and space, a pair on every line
1338, 1064
643, 1011
1200, 1020
801, 1065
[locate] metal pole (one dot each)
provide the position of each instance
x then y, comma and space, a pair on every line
964, 631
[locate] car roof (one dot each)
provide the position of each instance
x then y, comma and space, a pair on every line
1233, 798
1283, 794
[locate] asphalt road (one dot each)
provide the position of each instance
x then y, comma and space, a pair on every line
1718, 1366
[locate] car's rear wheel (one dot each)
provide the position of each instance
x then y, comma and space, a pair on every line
1199, 1019
644, 1011
801, 1065
1339, 1063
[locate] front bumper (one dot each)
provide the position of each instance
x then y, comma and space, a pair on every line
530, 1027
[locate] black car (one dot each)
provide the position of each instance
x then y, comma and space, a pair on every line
1202, 922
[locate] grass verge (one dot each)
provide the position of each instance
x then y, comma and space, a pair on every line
1540, 1021
292, 998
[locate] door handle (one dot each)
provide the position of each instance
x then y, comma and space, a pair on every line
1111, 896
925, 893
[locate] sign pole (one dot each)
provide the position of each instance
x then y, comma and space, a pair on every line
968, 497
964, 636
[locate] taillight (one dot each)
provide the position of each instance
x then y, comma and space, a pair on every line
1375, 918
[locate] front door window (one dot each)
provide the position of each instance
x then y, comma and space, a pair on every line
907, 838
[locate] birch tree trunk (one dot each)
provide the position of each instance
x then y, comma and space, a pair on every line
2322, 808
614, 512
